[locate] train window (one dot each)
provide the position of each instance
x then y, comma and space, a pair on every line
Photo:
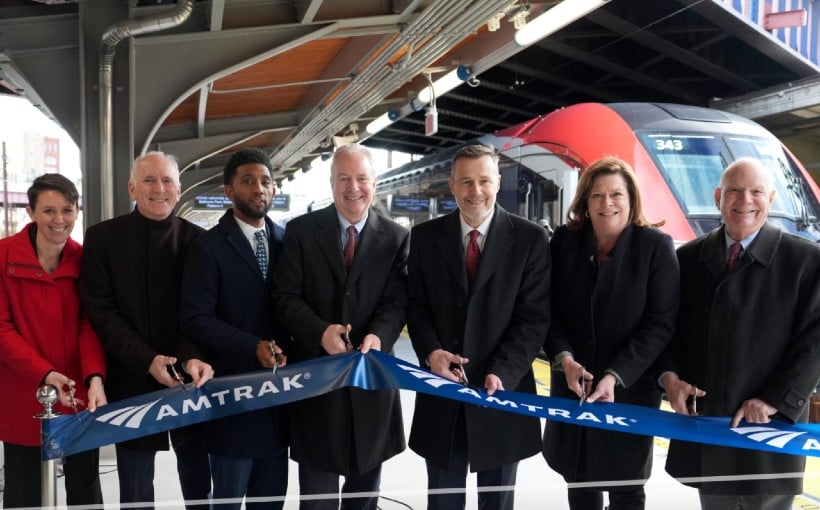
692, 165
791, 197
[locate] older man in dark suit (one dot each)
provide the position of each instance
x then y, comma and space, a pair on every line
227, 310
479, 281
746, 343
340, 285
129, 284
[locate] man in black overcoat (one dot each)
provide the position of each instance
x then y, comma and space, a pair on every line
340, 284
130, 285
746, 342
477, 315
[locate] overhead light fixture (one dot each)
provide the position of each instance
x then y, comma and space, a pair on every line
444, 84
382, 121
439, 87
556, 18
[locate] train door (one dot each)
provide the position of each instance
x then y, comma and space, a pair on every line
542, 183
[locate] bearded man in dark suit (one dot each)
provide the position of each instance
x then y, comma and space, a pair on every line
340, 284
226, 310
479, 284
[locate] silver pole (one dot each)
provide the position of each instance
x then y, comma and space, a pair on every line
47, 396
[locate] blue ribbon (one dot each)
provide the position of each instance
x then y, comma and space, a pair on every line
224, 396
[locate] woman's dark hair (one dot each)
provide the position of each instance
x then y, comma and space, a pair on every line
53, 182
577, 214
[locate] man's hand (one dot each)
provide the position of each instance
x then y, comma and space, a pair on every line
159, 370
333, 339
96, 394
440, 362
492, 383
371, 341
199, 371
754, 410
678, 391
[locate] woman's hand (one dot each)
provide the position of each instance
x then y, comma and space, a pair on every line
578, 379
604, 390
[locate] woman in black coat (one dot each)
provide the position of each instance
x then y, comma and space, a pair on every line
614, 303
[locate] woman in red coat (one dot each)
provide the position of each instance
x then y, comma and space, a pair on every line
45, 339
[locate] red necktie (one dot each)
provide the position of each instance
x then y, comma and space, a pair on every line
350, 246
473, 255
734, 254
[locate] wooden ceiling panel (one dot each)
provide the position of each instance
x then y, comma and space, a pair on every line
185, 112
268, 139
303, 63
254, 102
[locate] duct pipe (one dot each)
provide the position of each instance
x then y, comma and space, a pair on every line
112, 36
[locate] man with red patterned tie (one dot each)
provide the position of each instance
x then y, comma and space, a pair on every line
479, 286
746, 343
340, 284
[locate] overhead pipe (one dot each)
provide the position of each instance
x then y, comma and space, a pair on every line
568, 12
333, 117
112, 36
352, 102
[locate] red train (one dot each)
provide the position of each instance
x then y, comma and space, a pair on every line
677, 151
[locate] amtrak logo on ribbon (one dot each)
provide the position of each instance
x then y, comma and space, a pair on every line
133, 415
775, 437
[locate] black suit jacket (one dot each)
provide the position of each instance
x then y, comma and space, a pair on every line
226, 309
752, 332
312, 290
130, 284
499, 323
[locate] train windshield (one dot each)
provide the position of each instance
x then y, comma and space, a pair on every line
692, 165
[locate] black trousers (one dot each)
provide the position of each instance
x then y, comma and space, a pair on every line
324, 485
23, 483
746, 502
496, 487
135, 471
630, 498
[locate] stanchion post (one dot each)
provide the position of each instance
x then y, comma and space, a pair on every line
47, 396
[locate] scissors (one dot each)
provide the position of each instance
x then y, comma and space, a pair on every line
346, 338
71, 397
463, 379
695, 403
583, 384
175, 374
276, 357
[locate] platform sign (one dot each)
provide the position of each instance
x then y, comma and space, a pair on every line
281, 202
213, 202
409, 205
446, 205
216, 202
